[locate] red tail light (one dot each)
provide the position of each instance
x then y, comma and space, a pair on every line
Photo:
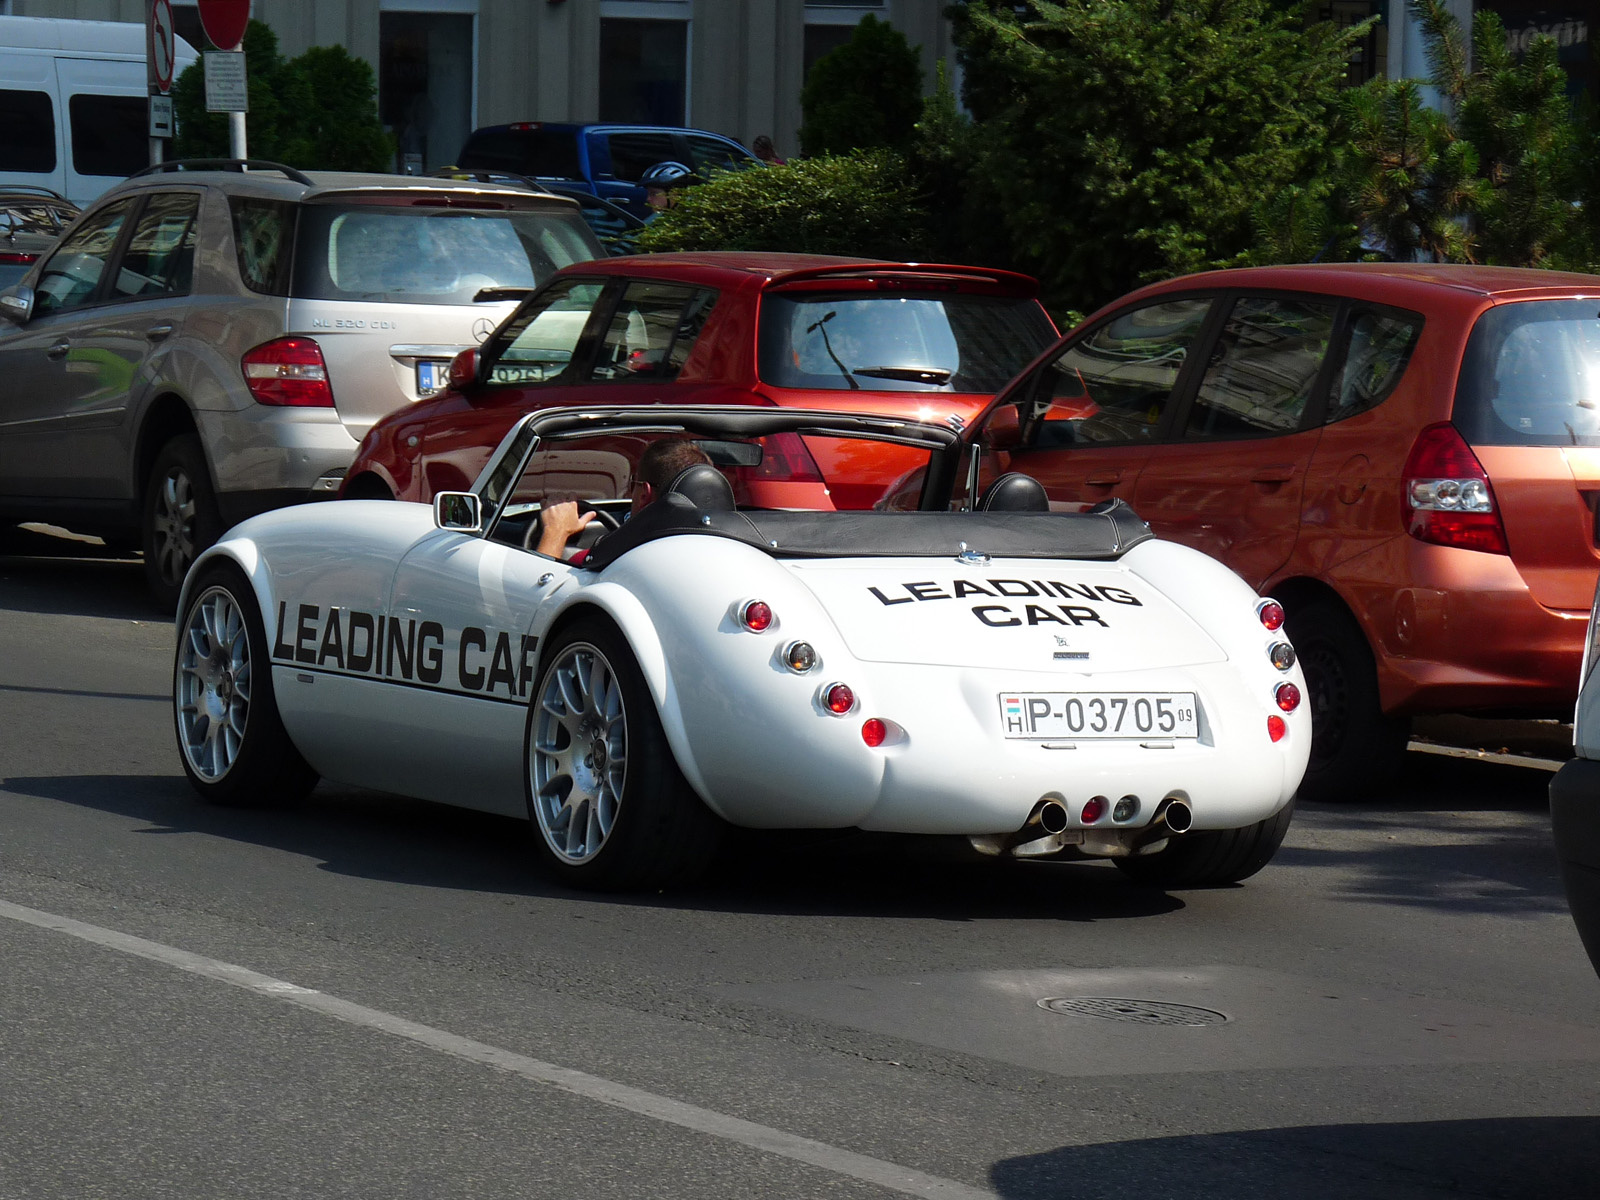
873, 731
16, 258
839, 698
1271, 613
1287, 696
785, 457
1276, 727
756, 616
1094, 808
288, 372
1446, 495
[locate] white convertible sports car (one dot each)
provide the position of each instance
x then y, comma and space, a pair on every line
1044, 684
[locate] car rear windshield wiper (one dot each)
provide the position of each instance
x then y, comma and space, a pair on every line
501, 292
935, 375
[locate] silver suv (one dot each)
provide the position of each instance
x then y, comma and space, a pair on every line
207, 342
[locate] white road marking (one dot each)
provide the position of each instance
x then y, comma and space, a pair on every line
578, 1083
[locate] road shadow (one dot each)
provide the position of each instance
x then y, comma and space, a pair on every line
1522, 1158
1450, 833
74, 584
373, 835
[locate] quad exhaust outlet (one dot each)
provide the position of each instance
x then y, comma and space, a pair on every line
1045, 833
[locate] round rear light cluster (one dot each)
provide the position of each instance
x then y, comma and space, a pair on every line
799, 657
1093, 809
1282, 655
1276, 727
1288, 697
756, 616
839, 698
1271, 614
873, 731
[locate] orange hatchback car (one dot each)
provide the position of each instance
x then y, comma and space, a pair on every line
1406, 456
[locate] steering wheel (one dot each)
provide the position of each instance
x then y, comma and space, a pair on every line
602, 524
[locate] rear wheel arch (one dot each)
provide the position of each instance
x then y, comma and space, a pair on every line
622, 611
369, 485
167, 417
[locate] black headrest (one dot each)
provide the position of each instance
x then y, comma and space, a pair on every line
705, 487
1014, 492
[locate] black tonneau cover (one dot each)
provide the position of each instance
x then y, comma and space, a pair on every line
1102, 535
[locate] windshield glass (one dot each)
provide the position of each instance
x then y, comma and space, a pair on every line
901, 342
1531, 376
431, 256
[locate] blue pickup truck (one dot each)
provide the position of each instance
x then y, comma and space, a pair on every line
604, 159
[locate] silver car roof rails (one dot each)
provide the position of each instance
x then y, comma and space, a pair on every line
225, 164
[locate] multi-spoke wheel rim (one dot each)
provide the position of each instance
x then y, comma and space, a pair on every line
579, 753
213, 692
173, 525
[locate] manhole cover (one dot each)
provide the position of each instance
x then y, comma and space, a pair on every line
1138, 1012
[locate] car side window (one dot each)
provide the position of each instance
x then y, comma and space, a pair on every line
262, 232
1114, 384
651, 332
542, 339
28, 135
1264, 368
71, 277
711, 155
1378, 347
159, 260
632, 154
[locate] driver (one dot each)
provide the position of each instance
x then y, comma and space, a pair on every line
661, 463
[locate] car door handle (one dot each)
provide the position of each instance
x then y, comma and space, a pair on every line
59, 350
1277, 474
158, 333
1104, 479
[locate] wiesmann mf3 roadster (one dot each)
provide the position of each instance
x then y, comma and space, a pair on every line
1045, 684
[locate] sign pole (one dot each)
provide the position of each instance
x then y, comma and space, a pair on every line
224, 22
161, 53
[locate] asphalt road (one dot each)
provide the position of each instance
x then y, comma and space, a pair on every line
367, 996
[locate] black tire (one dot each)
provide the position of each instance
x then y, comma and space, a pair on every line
1354, 747
246, 759
1211, 858
367, 487
180, 517
660, 833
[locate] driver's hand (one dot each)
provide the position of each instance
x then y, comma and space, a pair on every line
559, 523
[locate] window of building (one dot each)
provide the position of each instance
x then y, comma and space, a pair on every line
644, 71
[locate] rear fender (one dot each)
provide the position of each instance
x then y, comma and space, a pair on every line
630, 617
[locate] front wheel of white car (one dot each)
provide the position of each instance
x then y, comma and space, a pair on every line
609, 806
1211, 858
231, 740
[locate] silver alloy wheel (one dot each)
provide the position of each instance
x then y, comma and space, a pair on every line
579, 753
213, 692
173, 525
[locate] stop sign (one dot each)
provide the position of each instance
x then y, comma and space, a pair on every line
224, 21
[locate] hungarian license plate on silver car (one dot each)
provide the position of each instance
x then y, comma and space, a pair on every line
1098, 715
432, 376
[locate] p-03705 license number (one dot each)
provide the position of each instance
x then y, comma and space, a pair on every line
1098, 715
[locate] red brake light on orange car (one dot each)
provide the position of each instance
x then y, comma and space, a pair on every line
289, 372
1446, 495
784, 457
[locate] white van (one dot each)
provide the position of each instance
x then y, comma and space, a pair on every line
73, 110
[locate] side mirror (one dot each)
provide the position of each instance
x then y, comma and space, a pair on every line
16, 304
1003, 429
464, 370
458, 511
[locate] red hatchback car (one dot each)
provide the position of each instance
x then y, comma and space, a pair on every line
805, 331
1406, 456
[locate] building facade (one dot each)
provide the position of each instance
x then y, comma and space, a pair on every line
445, 67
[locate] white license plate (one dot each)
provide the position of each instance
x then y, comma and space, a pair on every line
432, 376
1098, 715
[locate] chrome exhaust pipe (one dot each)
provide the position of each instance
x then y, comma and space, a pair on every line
1048, 817
1173, 816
